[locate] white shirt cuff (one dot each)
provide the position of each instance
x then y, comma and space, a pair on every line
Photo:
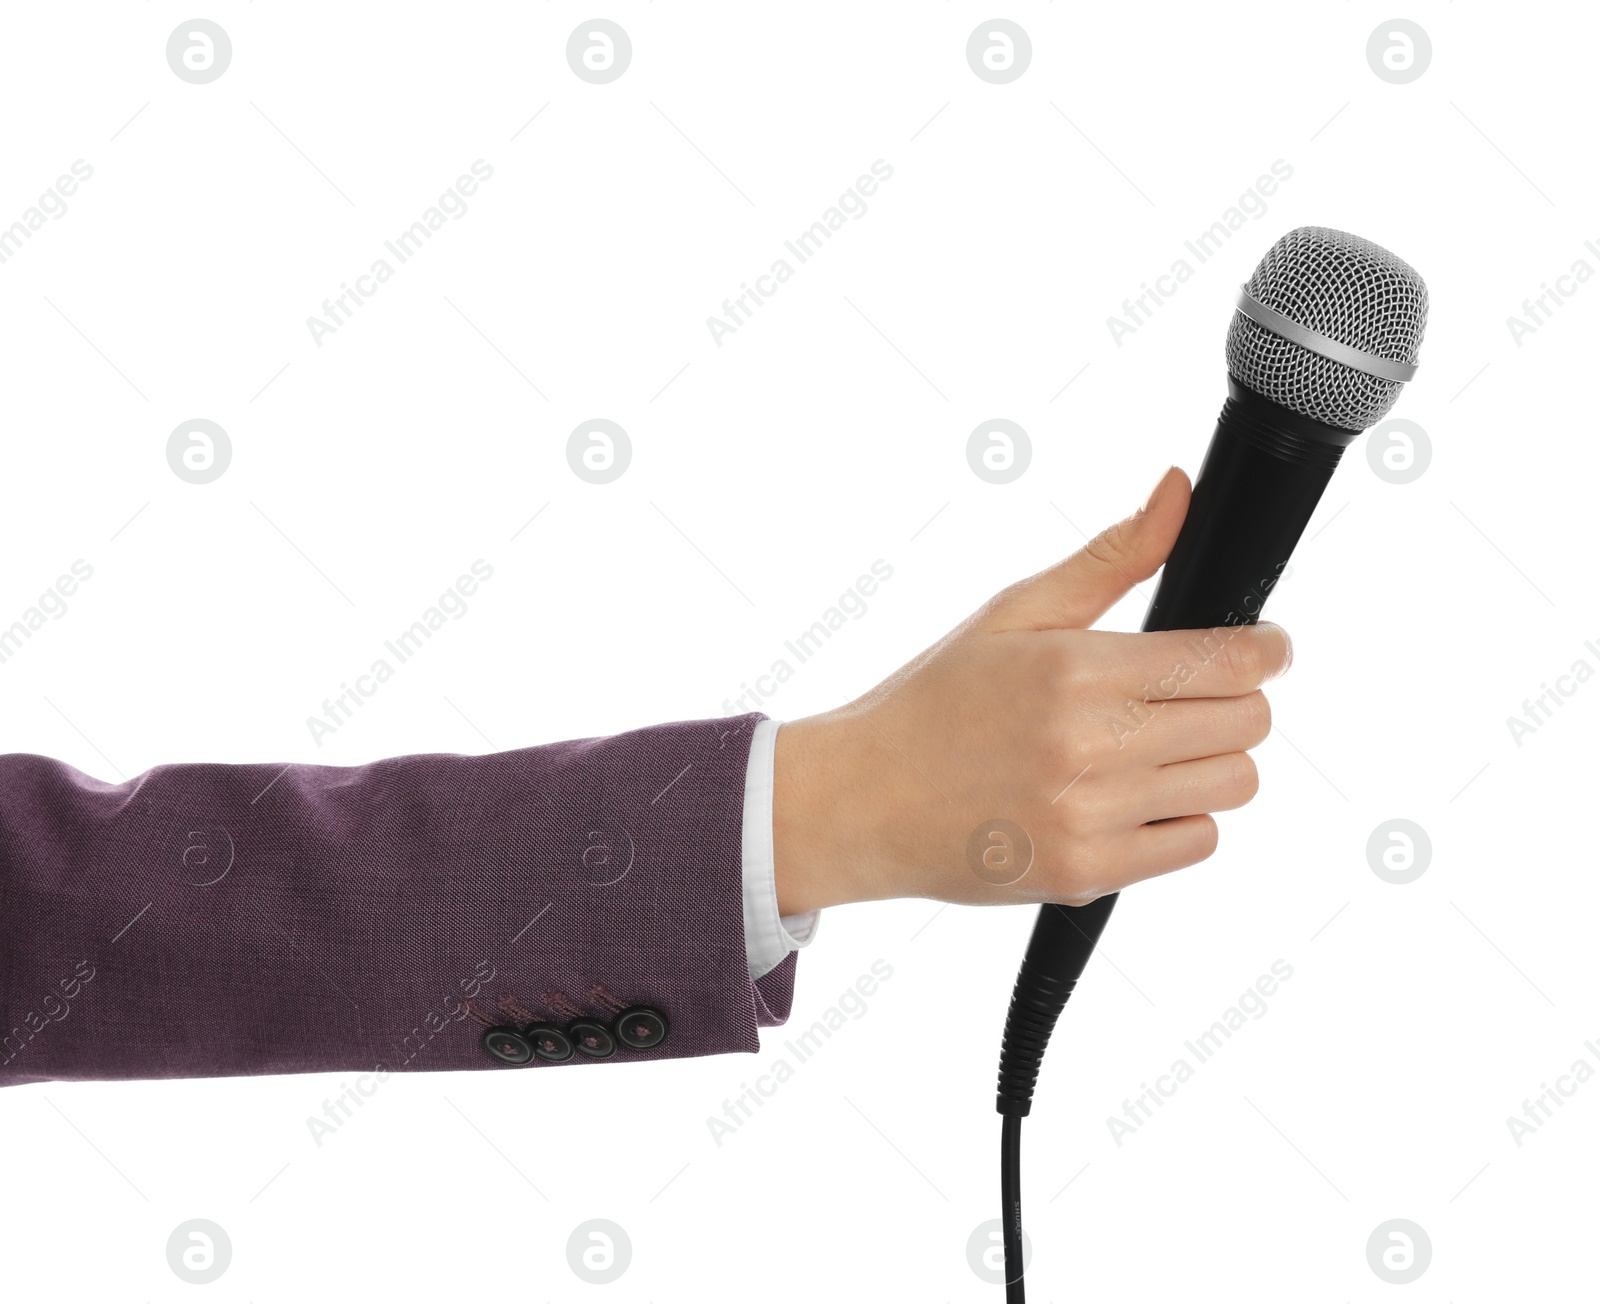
768, 938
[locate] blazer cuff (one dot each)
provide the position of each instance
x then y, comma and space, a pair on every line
769, 937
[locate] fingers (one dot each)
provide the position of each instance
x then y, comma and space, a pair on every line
1172, 844
1114, 805
1076, 592
1200, 787
1171, 731
1227, 661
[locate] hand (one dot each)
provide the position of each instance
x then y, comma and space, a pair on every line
1103, 753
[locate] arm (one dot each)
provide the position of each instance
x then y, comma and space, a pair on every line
432, 912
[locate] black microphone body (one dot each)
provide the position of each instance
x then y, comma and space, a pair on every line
1324, 335
1261, 480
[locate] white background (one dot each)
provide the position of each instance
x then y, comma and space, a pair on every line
368, 472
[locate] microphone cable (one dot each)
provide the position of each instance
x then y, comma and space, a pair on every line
1011, 1203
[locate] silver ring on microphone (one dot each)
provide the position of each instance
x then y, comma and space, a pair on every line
1291, 330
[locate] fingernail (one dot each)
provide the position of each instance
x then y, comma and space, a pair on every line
1155, 494
1288, 645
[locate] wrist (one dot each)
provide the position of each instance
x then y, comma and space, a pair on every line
824, 843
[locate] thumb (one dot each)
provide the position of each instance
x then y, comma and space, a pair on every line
1075, 593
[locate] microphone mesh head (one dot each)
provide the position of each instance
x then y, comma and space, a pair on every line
1348, 289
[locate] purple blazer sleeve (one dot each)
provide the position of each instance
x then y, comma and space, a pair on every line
206, 920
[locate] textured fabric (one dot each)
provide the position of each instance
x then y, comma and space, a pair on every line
205, 920
768, 937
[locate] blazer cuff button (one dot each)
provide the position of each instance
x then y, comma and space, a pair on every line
641, 1027
549, 1042
507, 1045
592, 1038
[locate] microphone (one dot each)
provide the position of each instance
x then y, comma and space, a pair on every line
1324, 335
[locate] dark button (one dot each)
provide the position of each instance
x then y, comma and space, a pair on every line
640, 1028
549, 1042
592, 1039
508, 1045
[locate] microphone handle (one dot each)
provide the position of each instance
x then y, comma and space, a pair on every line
1262, 478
